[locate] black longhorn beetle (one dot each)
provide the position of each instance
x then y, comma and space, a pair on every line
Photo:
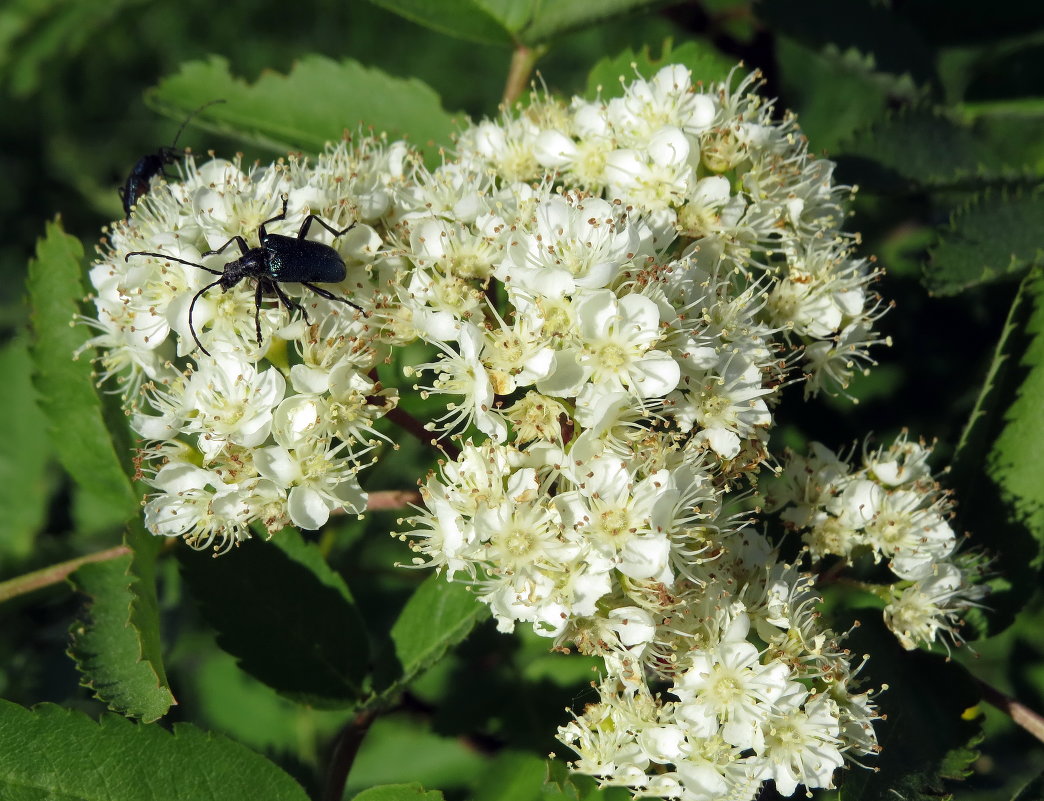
277, 260
148, 167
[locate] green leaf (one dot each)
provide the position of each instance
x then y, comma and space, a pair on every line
896, 46
34, 35
562, 785
115, 641
833, 94
231, 701
964, 22
929, 735
991, 238
1033, 791
706, 63
1013, 129
53, 753
145, 613
24, 455
510, 22
1000, 455
1017, 455
550, 19
437, 616
465, 19
286, 616
914, 149
399, 792
434, 760
316, 103
512, 776
65, 386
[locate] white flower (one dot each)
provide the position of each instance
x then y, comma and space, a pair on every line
572, 242
656, 176
801, 741
319, 481
730, 406
618, 338
228, 400
918, 613
731, 684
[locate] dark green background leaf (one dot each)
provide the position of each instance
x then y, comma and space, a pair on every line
706, 63
928, 738
438, 761
507, 22
913, 149
53, 753
25, 453
66, 387
316, 103
864, 26
438, 615
550, 19
285, 615
833, 94
512, 776
563, 785
994, 237
398, 792
1034, 791
1011, 129
464, 19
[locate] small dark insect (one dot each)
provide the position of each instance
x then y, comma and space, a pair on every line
277, 260
148, 167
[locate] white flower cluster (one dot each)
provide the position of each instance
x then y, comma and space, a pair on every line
890, 509
612, 293
271, 432
711, 165
615, 291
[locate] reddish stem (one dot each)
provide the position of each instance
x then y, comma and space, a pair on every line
46, 577
345, 748
414, 426
391, 499
1020, 714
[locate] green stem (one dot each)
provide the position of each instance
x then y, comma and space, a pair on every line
522, 62
20, 585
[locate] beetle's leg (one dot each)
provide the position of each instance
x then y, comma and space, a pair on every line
290, 303
258, 296
237, 239
303, 233
323, 293
171, 258
192, 306
280, 216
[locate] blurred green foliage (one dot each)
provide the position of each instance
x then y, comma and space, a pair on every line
936, 110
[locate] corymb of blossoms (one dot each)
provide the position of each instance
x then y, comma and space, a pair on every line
272, 424
614, 293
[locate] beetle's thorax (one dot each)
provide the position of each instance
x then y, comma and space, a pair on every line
250, 265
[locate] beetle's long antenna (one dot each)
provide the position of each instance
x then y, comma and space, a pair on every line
171, 258
177, 136
192, 306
